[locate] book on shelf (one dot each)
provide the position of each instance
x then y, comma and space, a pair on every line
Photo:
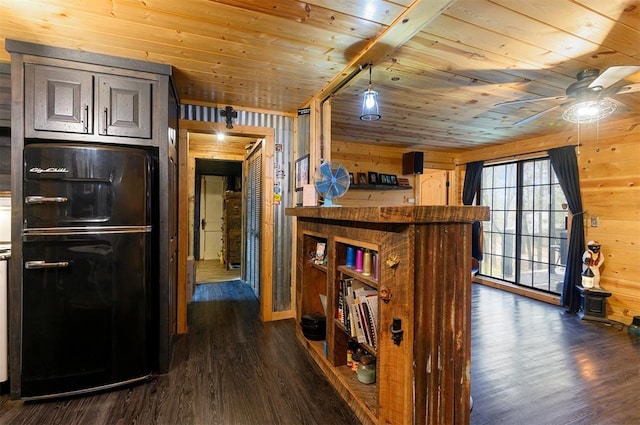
358, 311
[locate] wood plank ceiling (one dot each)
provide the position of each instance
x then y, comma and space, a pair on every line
440, 66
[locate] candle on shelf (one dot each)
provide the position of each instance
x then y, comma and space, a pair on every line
351, 256
366, 264
374, 258
359, 259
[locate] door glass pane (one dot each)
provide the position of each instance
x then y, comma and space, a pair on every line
527, 236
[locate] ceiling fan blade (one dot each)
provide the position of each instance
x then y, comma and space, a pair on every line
614, 74
629, 88
538, 99
533, 117
621, 105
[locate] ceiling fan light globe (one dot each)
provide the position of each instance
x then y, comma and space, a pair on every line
589, 111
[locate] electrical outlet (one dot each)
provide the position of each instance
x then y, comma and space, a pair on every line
594, 221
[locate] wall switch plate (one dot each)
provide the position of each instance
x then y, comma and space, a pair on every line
594, 221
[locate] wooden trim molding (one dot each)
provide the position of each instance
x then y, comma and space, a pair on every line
519, 290
185, 188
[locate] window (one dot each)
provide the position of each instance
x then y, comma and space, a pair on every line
525, 242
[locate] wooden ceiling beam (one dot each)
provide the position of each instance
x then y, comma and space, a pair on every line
417, 16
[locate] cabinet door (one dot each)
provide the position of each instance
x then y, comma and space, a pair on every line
124, 107
61, 99
433, 187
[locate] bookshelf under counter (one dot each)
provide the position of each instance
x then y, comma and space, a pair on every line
358, 275
321, 267
424, 271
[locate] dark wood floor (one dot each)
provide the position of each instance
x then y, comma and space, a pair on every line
531, 364
229, 369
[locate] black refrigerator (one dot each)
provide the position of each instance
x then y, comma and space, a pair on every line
88, 249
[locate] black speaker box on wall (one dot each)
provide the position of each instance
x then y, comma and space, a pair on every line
412, 162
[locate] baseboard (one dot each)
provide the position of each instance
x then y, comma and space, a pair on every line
281, 315
525, 292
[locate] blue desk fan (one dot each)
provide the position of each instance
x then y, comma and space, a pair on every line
331, 182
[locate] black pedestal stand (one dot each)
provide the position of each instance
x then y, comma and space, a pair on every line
593, 304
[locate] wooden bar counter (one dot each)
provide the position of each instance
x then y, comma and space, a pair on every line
423, 283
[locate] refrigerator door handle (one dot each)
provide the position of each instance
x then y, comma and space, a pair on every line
45, 199
40, 264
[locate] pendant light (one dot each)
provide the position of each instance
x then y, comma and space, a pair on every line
370, 103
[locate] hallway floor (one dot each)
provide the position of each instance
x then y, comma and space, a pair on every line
211, 271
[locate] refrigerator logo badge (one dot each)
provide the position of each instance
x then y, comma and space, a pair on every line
39, 170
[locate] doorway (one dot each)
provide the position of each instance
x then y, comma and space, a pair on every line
199, 141
211, 212
215, 181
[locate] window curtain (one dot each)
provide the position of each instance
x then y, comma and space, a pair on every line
565, 165
469, 190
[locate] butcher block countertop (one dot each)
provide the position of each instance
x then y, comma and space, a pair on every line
395, 214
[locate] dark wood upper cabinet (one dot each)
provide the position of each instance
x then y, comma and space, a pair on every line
124, 107
61, 99
82, 102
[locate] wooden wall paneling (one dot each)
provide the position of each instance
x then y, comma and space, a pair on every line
326, 138
208, 146
365, 157
370, 198
362, 158
267, 239
609, 179
609, 174
315, 138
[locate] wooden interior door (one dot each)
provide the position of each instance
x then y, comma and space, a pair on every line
433, 187
211, 217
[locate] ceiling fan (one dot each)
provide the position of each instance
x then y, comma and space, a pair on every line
585, 95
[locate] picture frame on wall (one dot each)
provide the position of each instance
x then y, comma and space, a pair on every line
373, 177
384, 179
351, 179
393, 179
362, 178
302, 172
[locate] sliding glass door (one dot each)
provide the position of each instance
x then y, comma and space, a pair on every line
525, 242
